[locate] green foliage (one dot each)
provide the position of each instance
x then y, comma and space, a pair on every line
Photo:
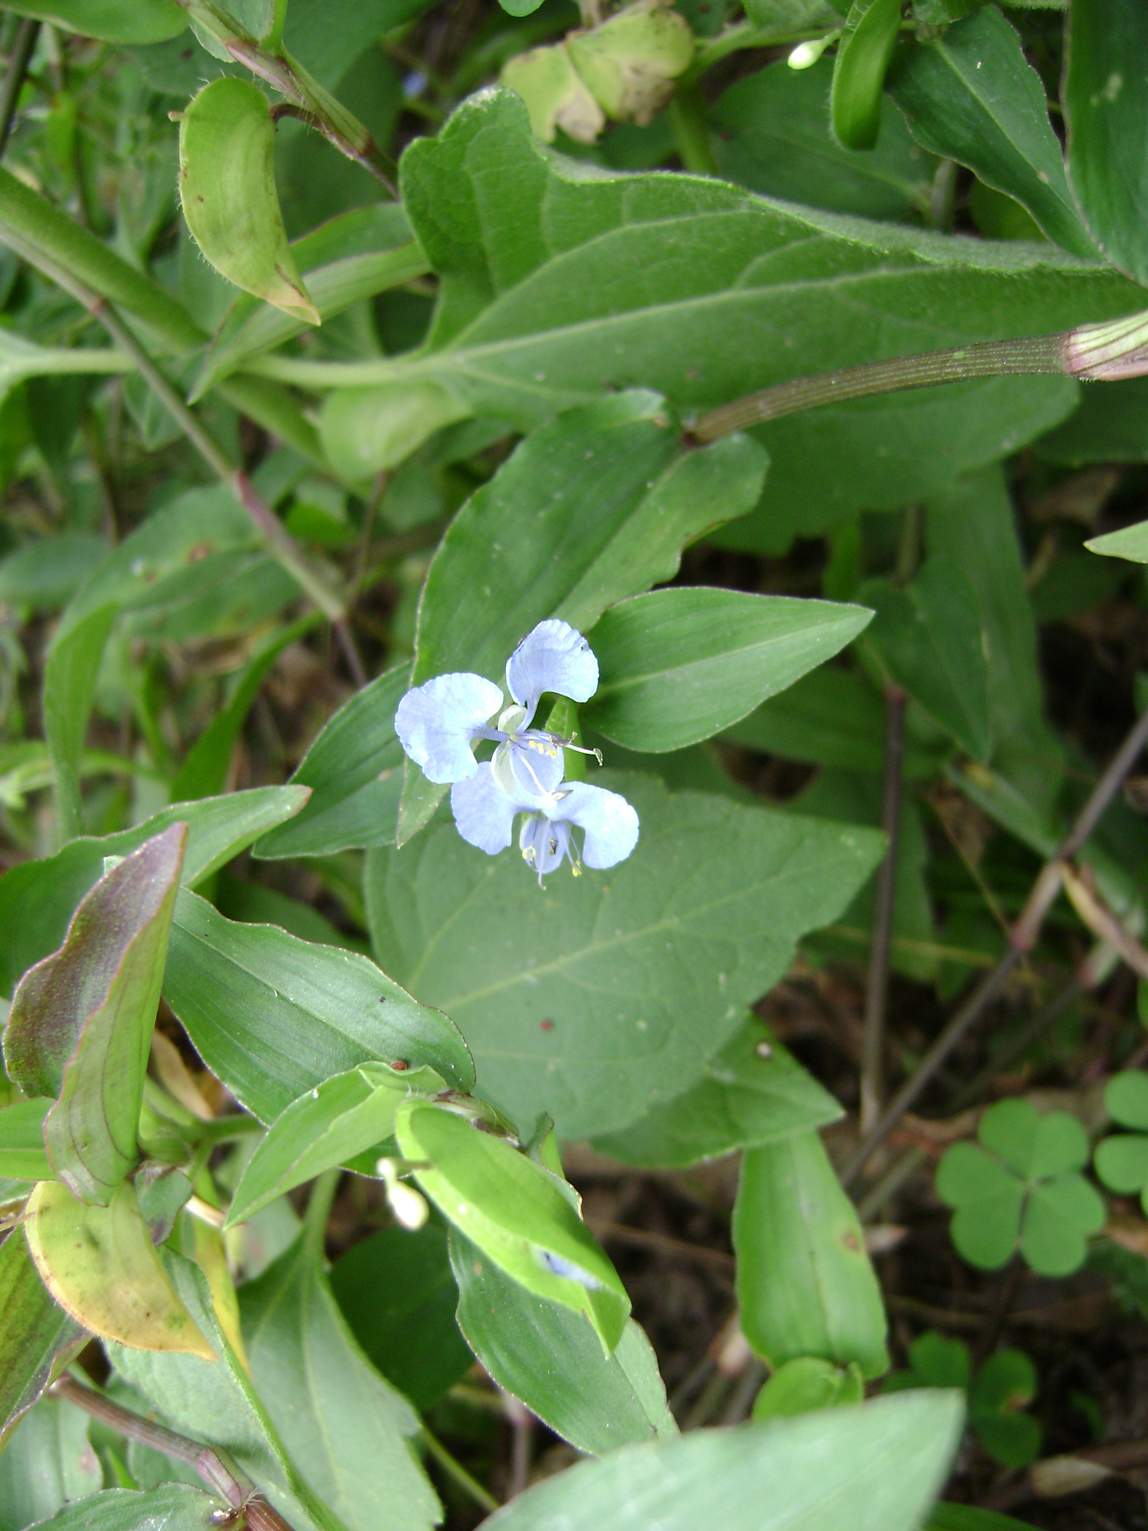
1021, 1189
1003, 1385
378, 449
1122, 1160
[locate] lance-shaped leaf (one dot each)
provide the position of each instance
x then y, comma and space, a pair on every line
344, 1116
36, 1338
346, 1427
594, 506
48, 1462
168, 1507
863, 56
874, 1468
804, 1282
1105, 102
227, 189
520, 1215
112, 21
970, 95
100, 1265
37, 898
679, 665
546, 1356
81, 1020
273, 1016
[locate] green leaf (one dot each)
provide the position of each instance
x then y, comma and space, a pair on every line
807, 1383
831, 717
174, 539
273, 1016
1058, 1219
170, 1507
217, 1397
101, 1267
112, 21
548, 1358
344, 1116
878, 1466
532, 543
1105, 102
598, 997
1126, 1098
37, 898
804, 1282
22, 1154
1130, 542
227, 191
971, 528
970, 95
345, 1426
1121, 1162
964, 1517
354, 256
48, 1461
679, 665
205, 766
365, 431
772, 135
47, 573
69, 685
546, 301
752, 1092
352, 771
37, 1338
81, 1021
859, 70
1005, 1384
396, 1291
519, 1215
928, 637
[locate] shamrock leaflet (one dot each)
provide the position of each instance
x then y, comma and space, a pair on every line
439, 722
1022, 1186
1004, 1386
1122, 1160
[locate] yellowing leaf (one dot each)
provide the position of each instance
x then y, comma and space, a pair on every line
101, 1267
227, 188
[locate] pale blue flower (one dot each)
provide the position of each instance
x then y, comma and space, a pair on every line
439, 722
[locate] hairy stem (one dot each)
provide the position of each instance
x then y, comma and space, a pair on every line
985, 358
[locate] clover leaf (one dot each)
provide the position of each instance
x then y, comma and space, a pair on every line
1122, 1160
1003, 1386
1022, 1188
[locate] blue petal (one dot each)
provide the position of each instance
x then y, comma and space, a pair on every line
528, 768
437, 721
544, 845
611, 824
554, 657
483, 812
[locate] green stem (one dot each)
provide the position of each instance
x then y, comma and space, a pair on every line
273, 38
454, 1469
986, 358
318, 1211
280, 543
14, 77
686, 116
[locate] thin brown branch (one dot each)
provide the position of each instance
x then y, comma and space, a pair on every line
1022, 937
877, 979
208, 1465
